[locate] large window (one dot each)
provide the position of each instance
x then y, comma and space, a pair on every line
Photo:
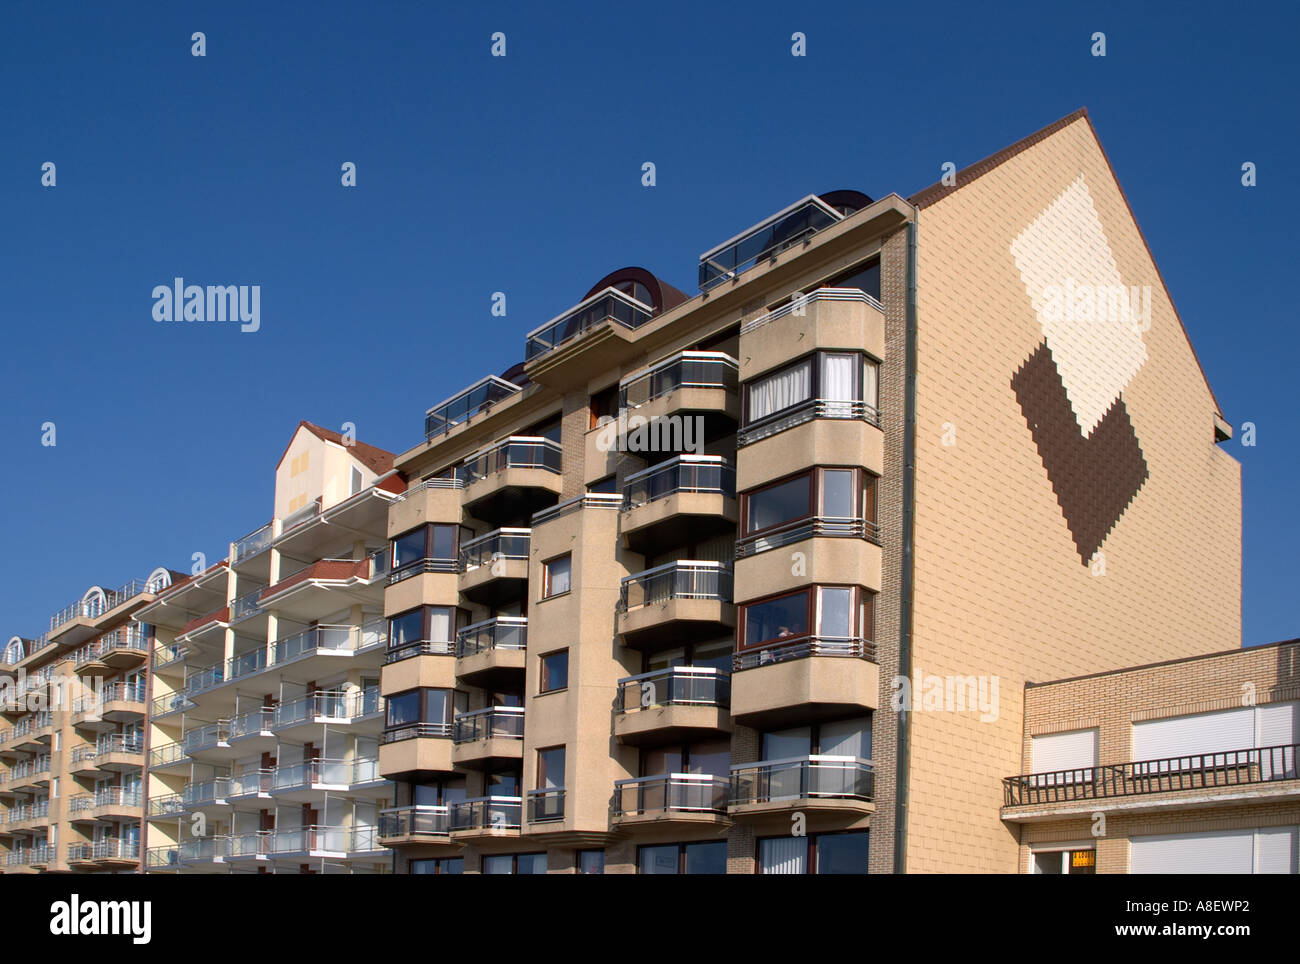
441, 865
832, 613
409, 631
839, 379
692, 858
851, 737
711, 757
591, 862
438, 543
827, 493
550, 768
827, 853
422, 712
515, 864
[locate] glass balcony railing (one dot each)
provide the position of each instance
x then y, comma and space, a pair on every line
802, 778
515, 452
251, 782
546, 805
206, 792
252, 544
415, 821
334, 639
170, 703
684, 579
495, 722
486, 813
500, 632
685, 473
458, 409
202, 849
166, 753
166, 806
163, 857
252, 723
609, 305
256, 844
686, 369
785, 229
671, 792
119, 743
497, 545
328, 705
307, 839
206, 737
674, 686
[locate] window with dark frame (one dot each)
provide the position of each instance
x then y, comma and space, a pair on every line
419, 707
438, 542
590, 862
555, 671
557, 576
843, 852
838, 612
436, 624
830, 492
704, 857
837, 377
604, 406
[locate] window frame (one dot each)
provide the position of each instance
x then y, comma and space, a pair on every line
543, 676
861, 614
458, 538
681, 852
546, 576
815, 359
811, 854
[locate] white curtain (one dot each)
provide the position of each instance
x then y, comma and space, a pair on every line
440, 625
784, 855
780, 391
838, 386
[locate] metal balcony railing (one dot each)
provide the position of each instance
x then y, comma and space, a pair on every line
202, 849
124, 692
492, 723
415, 821
499, 544
119, 743
807, 411
684, 579
167, 805
206, 792
252, 544
609, 304
460, 408
206, 737
500, 632
1198, 771
116, 849
170, 703
686, 369
251, 723
256, 844
332, 638
252, 781
486, 813
311, 773
546, 805
93, 606
670, 793
786, 228
802, 778
817, 527
307, 839
166, 753
163, 857
413, 731
117, 797
685, 473
674, 686
418, 647
515, 452
801, 647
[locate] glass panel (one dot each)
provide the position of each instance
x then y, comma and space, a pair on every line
498, 864
555, 671
453, 865
864, 278
591, 861
658, 860
403, 708
550, 768
408, 548
440, 628
783, 855
715, 655
407, 628
444, 542
1048, 863
837, 612
436, 707
776, 618
657, 761
842, 853
777, 504
531, 864
665, 660
780, 744
837, 493
710, 756
706, 858
557, 575
780, 390
847, 738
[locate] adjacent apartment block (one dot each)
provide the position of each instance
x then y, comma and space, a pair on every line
265, 714
72, 724
1178, 767
752, 581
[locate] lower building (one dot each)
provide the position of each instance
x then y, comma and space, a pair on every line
1187, 766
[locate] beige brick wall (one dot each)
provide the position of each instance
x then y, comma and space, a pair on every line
1000, 586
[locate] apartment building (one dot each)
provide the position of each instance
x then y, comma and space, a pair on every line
1186, 766
265, 710
72, 735
655, 590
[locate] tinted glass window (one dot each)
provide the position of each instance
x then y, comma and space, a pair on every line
842, 853
776, 618
777, 504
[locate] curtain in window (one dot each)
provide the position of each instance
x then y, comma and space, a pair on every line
780, 391
784, 855
871, 384
440, 625
838, 384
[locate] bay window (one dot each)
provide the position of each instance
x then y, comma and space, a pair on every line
430, 548
425, 712
821, 501
844, 381
426, 630
816, 620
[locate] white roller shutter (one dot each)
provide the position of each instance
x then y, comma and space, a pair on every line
1203, 733
1223, 852
1278, 732
1074, 750
1275, 851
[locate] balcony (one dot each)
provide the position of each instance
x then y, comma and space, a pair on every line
588, 337
488, 737
163, 857
1256, 774
304, 782
300, 719
123, 648
253, 784
494, 567
311, 534
678, 602
492, 652
175, 608
310, 842
120, 751
546, 807
205, 852
256, 847
672, 705
169, 703
804, 678
115, 852
415, 748
253, 732
415, 824
673, 798
209, 626
123, 702
249, 555
206, 794
322, 649
117, 803
787, 228
486, 817
689, 383
464, 407
418, 647
690, 497
168, 805
512, 479
76, 623
209, 742
431, 500
841, 786
82, 762
324, 587
168, 756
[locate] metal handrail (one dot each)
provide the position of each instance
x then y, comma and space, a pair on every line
813, 527
674, 686
685, 369
681, 579
807, 411
804, 777
799, 647
499, 632
803, 301
511, 543
671, 792
490, 723
689, 473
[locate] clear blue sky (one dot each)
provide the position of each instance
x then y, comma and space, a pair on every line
522, 175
